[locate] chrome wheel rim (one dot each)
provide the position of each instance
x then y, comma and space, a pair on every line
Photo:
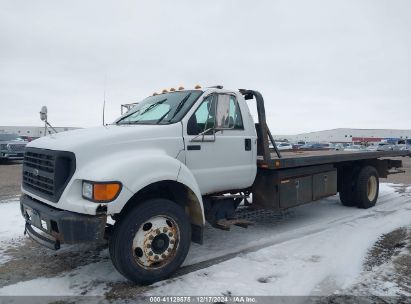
156, 242
371, 188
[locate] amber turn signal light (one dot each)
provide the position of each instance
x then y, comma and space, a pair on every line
101, 192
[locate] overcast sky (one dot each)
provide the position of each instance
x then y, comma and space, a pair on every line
319, 64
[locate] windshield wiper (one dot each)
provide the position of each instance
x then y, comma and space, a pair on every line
180, 106
149, 108
162, 117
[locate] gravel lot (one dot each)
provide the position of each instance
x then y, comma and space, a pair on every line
401, 178
10, 179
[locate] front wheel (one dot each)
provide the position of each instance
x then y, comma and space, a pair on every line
151, 241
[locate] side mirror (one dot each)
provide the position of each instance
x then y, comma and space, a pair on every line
223, 121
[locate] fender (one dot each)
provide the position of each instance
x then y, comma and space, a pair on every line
196, 205
136, 171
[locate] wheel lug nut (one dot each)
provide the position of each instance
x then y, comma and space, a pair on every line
169, 249
170, 234
151, 237
164, 229
171, 241
150, 253
158, 231
163, 256
156, 257
148, 245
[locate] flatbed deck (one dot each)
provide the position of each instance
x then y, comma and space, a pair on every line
299, 158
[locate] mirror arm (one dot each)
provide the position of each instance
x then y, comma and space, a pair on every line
208, 130
202, 134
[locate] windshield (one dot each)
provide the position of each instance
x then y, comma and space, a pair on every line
7, 137
161, 109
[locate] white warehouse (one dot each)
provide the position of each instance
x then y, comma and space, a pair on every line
345, 135
30, 131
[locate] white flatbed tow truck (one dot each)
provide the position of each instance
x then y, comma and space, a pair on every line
171, 163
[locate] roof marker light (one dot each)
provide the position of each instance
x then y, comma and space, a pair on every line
172, 90
164, 91
197, 87
180, 88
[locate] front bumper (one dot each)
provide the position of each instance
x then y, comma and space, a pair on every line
55, 226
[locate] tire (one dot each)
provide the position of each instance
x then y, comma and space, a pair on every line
367, 188
151, 241
347, 188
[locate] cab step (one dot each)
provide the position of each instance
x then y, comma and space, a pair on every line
226, 224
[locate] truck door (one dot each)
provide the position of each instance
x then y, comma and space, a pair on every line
219, 148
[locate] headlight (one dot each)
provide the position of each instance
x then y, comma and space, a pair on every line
88, 190
101, 192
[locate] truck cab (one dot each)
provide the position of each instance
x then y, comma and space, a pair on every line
180, 145
217, 134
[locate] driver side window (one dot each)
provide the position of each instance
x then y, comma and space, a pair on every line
204, 118
222, 108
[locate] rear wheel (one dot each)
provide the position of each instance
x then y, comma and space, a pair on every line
367, 187
347, 188
151, 241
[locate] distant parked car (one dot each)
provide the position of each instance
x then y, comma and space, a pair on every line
338, 147
305, 146
372, 148
284, 146
11, 147
354, 148
28, 138
297, 146
329, 146
404, 147
315, 146
319, 146
385, 147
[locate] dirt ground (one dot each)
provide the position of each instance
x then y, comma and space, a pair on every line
10, 178
401, 178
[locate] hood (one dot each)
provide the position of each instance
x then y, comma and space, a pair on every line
109, 138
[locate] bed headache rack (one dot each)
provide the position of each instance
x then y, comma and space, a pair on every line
263, 132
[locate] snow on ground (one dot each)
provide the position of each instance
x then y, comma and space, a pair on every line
91, 279
387, 268
315, 249
12, 226
316, 264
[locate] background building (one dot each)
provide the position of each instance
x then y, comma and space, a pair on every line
30, 131
344, 135
341, 135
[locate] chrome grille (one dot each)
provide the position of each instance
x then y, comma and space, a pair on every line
18, 148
